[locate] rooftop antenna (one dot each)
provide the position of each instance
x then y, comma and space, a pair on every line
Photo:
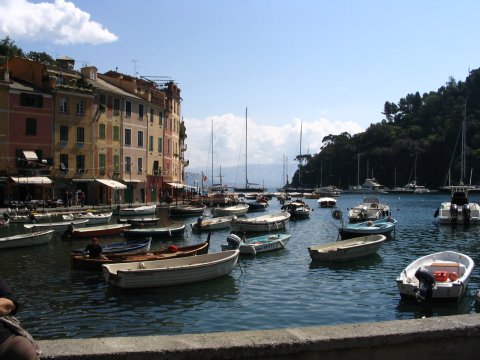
135, 72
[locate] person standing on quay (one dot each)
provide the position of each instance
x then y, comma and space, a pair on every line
15, 342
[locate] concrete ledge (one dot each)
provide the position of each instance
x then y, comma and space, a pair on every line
449, 337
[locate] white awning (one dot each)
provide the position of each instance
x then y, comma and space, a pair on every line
132, 180
176, 185
30, 155
112, 183
34, 180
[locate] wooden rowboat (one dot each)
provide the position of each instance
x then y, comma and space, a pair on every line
57, 226
82, 262
138, 211
177, 271
215, 223
101, 230
264, 223
257, 244
346, 250
170, 231
27, 239
93, 218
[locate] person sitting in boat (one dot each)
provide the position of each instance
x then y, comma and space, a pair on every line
94, 250
69, 231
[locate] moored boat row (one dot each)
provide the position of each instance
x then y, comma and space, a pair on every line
352, 249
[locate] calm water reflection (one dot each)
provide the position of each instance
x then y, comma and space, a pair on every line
280, 289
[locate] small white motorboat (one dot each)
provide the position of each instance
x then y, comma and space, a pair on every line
459, 210
370, 209
439, 276
327, 202
346, 250
298, 209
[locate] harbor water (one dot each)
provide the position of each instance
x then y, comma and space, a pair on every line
273, 290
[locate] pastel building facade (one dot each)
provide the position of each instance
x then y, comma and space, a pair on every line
114, 137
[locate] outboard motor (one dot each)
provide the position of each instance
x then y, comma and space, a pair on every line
233, 241
425, 285
453, 213
337, 214
466, 213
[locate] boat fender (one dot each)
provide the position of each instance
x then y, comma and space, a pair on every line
453, 276
466, 213
425, 286
454, 211
172, 249
234, 241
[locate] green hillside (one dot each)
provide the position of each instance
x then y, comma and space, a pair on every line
426, 126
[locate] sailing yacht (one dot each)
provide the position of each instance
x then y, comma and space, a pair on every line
370, 186
411, 187
459, 210
249, 187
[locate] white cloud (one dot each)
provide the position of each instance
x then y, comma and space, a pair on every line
61, 22
267, 144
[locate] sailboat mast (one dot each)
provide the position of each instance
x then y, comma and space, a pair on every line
300, 159
463, 166
212, 151
246, 148
358, 169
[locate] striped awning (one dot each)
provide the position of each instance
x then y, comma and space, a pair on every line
112, 183
34, 180
30, 155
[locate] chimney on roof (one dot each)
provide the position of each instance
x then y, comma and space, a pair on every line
89, 72
5, 75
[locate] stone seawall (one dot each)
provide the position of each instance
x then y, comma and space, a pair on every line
448, 337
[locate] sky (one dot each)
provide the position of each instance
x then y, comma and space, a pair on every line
304, 69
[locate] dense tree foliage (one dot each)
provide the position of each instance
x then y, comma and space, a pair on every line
426, 127
9, 49
41, 57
